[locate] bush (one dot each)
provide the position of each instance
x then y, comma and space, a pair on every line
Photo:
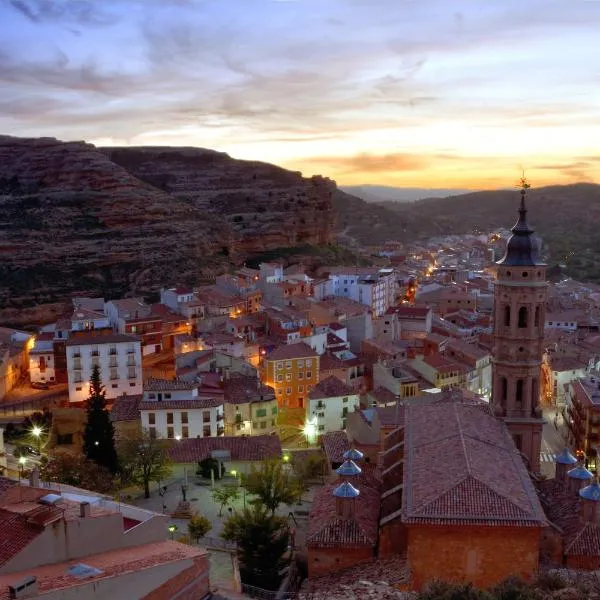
198, 526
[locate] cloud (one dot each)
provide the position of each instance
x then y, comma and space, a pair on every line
81, 12
370, 163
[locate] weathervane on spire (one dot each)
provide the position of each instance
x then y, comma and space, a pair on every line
524, 185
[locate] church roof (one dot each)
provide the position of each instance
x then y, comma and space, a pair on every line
565, 458
580, 472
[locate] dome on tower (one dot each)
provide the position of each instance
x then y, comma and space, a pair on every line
353, 454
565, 458
346, 490
348, 468
580, 472
592, 491
522, 248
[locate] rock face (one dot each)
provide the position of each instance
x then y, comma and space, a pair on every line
79, 219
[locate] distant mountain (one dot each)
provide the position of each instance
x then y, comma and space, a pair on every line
567, 218
384, 193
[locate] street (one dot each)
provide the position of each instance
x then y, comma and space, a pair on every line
553, 441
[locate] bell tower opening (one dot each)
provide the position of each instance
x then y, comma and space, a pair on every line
519, 308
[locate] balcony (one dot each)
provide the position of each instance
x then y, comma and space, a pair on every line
132, 375
113, 351
131, 362
130, 351
220, 416
77, 354
94, 353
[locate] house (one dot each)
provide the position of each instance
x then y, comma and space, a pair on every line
395, 377
439, 371
85, 319
134, 317
250, 406
235, 453
125, 416
557, 372
14, 357
477, 362
176, 410
41, 359
67, 429
329, 403
118, 356
292, 371
458, 498
72, 543
413, 321
582, 416
564, 321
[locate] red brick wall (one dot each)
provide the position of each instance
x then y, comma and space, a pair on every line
322, 561
481, 555
196, 577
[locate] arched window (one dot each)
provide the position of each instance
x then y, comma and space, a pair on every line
534, 394
507, 316
519, 392
504, 390
536, 319
522, 323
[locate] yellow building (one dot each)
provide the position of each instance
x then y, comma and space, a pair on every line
292, 371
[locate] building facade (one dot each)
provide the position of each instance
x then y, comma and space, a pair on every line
329, 403
519, 314
118, 356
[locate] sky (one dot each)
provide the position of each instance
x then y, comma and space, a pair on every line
422, 93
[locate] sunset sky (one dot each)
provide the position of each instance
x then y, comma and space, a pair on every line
424, 93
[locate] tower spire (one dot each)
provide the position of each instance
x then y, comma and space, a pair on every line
524, 185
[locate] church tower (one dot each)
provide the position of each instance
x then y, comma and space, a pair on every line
519, 314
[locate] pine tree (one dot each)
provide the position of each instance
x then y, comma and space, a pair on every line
99, 435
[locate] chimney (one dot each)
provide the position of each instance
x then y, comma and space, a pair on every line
34, 478
25, 588
85, 510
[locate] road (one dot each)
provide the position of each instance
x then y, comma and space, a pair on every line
553, 441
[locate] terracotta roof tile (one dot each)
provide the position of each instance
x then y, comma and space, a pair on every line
17, 534
334, 444
291, 351
327, 530
189, 404
252, 448
126, 408
330, 387
86, 339
462, 466
166, 385
241, 389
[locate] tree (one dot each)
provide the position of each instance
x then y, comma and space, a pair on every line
99, 434
207, 465
306, 470
198, 526
439, 590
271, 484
143, 459
225, 495
262, 540
76, 470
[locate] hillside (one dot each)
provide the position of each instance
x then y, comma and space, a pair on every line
566, 217
113, 221
385, 193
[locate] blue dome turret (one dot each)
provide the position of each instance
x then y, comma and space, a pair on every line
353, 454
348, 469
592, 491
346, 490
581, 473
565, 458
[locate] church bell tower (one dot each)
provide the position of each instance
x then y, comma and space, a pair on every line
519, 315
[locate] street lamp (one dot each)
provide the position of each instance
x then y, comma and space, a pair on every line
309, 431
22, 461
172, 529
37, 434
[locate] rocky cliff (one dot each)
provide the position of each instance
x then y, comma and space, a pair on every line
79, 219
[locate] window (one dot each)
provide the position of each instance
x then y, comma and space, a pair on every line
152, 432
519, 393
344, 399
206, 431
114, 385
507, 316
536, 318
170, 432
263, 424
288, 364
272, 422
300, 363
78, 389
522, 323
518, 438
254, 425
308, 374
167, 396
279, 377
112, 350
94, 351
261, 412
301, 375
279, 365
185, 432
321, 427
152, 418
344, 411
300, 389
288, 376
308, 362
114, 374
504, 388
131, 373
170, 418
206, 416
534, 393
288, 391
184, 417
132, 385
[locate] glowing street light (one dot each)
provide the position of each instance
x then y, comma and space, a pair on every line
22, 461
36, 432
310, 430
172, 529
286, 458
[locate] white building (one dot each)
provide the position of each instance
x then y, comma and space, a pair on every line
84, 319
271, 272
118, 356
328, 404
564, 321
176, 410
372, 287
41, 359
175, 298
121, 311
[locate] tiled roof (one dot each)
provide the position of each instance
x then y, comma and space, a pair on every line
252, 448
327, 530
382, 395
328, 362
190, 404
167, 385
330, 387
6, 484
410, 312
16, 535
97, 339
291, 351
241, 389
463, 467
334, 444
126, 408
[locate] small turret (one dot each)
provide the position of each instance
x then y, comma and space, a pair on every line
579, 477
590, 502
353, 454
345, 498
348, 469
563, 462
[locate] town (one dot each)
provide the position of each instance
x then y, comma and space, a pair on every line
436, 416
